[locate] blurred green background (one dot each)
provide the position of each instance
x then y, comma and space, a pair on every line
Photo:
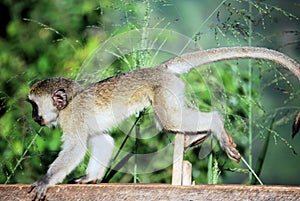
40, 39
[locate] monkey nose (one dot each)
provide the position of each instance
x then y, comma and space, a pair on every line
42, 123
39, 120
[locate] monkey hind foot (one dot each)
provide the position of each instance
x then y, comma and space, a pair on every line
229, 146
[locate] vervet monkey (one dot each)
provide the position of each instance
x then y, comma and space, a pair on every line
86, 114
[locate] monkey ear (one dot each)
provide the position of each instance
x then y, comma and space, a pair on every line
59, 98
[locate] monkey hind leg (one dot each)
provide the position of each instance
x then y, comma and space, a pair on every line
211, 122
101, 147
173, 115
176, 117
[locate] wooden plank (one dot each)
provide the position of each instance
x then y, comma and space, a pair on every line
177, 159
154, 192
186, 173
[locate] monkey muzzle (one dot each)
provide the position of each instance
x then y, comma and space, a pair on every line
39, 120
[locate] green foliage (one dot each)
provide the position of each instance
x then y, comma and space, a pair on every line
40, 39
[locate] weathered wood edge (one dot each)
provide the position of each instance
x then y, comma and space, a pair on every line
154, 192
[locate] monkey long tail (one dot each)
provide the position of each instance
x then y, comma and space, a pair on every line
185, 62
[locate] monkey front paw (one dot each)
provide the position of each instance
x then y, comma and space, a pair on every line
85, 180
40, 187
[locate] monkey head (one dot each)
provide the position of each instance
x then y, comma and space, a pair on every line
49, 96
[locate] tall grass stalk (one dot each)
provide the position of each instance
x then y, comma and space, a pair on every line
250, 70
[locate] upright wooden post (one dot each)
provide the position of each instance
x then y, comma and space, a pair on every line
186, 173
182, 170
178, 159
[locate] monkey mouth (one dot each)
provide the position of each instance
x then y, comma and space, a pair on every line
41, 122
49, 125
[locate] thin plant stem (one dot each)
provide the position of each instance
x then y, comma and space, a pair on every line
23, 156
108, 172
263, 152
209, 169
251, 170
137, 136
250, 70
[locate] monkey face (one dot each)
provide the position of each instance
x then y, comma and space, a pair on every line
43, 110
48, 97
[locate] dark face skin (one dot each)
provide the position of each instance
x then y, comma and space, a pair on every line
35, 113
